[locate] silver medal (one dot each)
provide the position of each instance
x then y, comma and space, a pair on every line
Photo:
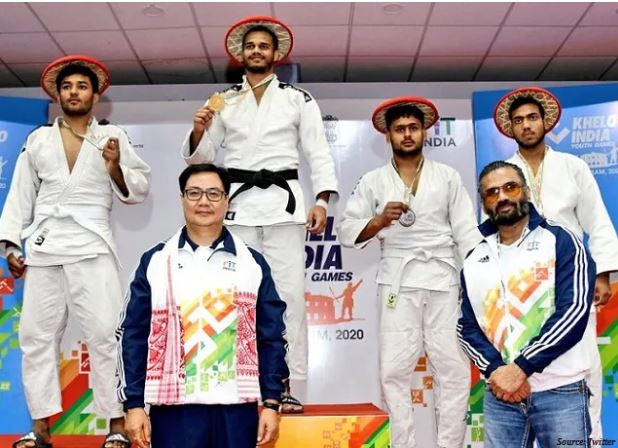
407, 219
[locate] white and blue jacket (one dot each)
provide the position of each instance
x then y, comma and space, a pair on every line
231, 318
532, 309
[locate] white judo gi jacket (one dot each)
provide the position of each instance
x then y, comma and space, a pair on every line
64, 216
268, 136
428, 254
570, 196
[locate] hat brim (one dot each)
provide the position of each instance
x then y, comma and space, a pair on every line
234, 36
48, 78
430, 112
548, 101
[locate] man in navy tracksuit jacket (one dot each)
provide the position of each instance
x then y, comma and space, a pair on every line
201, 336
526, 293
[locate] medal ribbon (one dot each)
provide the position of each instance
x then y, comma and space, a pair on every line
83, 137
536, 181
239, 95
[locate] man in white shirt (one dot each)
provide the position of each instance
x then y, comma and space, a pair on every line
424, 219
59, 203
261, 124
563, 189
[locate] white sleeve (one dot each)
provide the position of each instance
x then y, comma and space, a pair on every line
18, 211
357, 214
462, 217
595, 221
315, 147
208, 146
136, 172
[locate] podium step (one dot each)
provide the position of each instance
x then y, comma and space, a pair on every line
335, 426
321, 426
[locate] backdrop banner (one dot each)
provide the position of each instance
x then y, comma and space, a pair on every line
18, 116
340, 283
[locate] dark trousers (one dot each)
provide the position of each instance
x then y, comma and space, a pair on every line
204, 426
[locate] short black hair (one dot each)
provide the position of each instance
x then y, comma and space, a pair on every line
498, 164
520, 101
405, 110
263, 29
77, 69
204, 168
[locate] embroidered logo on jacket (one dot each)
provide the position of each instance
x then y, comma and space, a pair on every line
533, 245
484, 259
229, 265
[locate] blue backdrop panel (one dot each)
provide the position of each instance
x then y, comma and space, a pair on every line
18, 116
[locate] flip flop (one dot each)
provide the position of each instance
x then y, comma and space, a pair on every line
116, 437
290, 405
39, 441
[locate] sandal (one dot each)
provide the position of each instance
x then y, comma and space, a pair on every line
290, 405
117, 438
39, 441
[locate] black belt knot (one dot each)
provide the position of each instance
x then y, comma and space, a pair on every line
264, 179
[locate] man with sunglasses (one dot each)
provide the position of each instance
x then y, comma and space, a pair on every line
59, 204
527, 290
262, 125
563, 190
423, 217
201, 335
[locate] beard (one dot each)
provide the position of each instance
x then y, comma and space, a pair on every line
80, 111
252, 68
403, 153
535, 142
520, 210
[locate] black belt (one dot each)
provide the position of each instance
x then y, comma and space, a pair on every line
264, 179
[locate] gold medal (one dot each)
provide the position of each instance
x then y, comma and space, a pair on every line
216, 102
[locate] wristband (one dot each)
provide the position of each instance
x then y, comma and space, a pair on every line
271, 405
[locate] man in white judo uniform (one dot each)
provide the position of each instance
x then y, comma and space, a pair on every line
59, 203
261, 124
563, 190
424, 219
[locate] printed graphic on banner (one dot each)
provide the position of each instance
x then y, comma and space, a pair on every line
17, 118
442, 134
324, 257
353, 426
78, 416
588, 129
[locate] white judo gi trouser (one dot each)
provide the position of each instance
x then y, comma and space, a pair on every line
283, 247
90, 291
423, 320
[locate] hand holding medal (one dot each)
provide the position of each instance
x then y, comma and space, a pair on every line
408, 217
216, 102
392, 210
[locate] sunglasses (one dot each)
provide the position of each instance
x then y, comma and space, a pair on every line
511, 189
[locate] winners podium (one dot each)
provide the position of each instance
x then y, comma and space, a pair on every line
335, 426
320, 426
